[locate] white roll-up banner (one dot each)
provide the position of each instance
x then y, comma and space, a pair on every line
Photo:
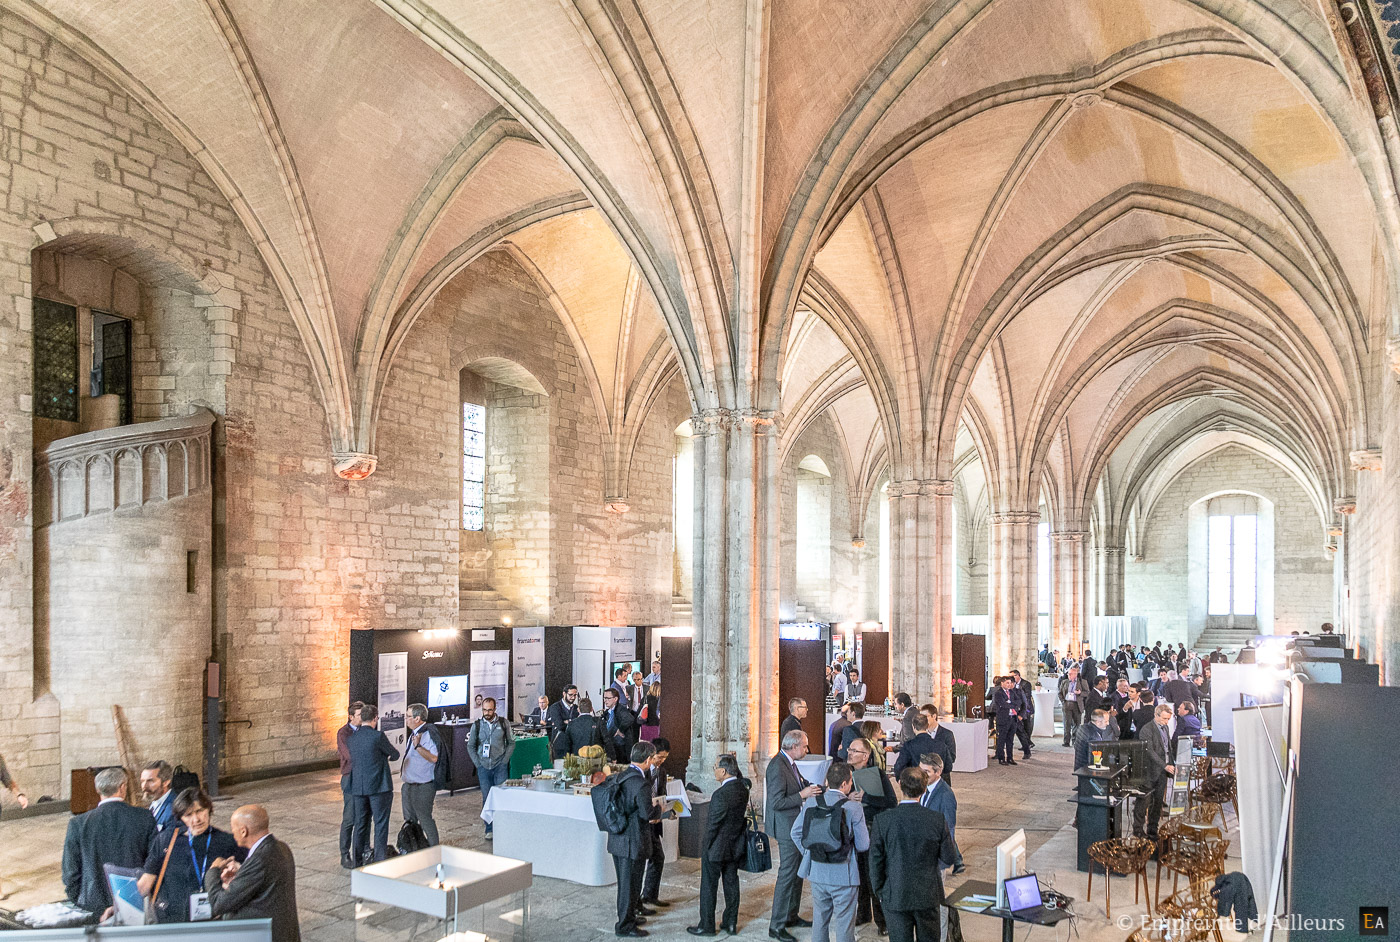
490, 678
393, 697
527, 663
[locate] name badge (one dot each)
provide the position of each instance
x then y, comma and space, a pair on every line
200, 910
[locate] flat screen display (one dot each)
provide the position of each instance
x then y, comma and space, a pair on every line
447, 691
1022, 892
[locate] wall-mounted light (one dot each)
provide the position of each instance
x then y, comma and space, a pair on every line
433, 633
505, 620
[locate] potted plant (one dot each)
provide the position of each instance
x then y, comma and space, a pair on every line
962, 689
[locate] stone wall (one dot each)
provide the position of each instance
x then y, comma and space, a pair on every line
1372, 621
1160, 587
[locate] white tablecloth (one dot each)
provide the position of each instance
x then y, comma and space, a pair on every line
558, 834
813, 768
1045, 712
971, 739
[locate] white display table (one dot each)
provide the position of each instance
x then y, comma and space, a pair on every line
440, 890
558, 834
971, 739
1045, 713
813, 768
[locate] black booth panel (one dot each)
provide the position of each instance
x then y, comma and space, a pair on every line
558, 660
427, 657
1344, 821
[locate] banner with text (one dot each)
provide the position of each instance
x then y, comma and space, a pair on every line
527, 658
490, 678
393, 697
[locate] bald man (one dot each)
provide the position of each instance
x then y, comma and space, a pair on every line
263, 886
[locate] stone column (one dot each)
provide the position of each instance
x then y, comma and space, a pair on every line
1111, 562
1069, 567
921, 589
1011, 591
734, 657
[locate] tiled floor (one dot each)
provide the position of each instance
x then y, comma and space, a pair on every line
305, 812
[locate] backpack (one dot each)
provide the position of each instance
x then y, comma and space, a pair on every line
411, 838
826, 834
609, 804
181, 779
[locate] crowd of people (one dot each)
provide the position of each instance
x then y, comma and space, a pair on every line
191, 871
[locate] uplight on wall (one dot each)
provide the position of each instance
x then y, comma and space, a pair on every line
434, 633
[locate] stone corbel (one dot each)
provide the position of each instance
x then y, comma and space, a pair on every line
354, 465
1346, 506
1366, 459
616, 505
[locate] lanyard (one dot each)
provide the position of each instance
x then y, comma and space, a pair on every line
200, 868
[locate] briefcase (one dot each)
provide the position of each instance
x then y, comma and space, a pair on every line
758, 856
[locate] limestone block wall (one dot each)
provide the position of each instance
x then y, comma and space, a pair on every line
971, 598
1160, 586
1372, 562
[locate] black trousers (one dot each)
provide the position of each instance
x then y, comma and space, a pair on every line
867, 903
1149, 807
711, 876
651, 882
374, 808
1006, 729
787, 889
1073, 716
1023, 733
347, 818
629, 892
909, 925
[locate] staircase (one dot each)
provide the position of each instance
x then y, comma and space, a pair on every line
483, 608
681, 611
804, 615
1213, 638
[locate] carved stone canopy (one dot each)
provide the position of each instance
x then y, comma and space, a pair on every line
354, 465
1366, 459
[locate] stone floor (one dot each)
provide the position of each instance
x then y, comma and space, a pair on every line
305, 812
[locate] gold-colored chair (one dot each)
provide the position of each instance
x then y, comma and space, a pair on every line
1125, 855
1215, 791
1193, 851
1193, 910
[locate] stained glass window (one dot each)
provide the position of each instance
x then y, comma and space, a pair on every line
55, 360
473, 466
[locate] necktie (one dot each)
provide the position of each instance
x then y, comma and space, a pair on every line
611, 724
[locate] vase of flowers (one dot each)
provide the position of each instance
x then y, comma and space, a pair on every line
962, 689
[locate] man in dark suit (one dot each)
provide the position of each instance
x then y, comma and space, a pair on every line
561, 712
855, 710
1009, 703
371, 784
938, 796
908, 711
797, 712
621, 676
1089, 668
1181, 690
656, 860
1143, 712
582, 730
915, 749
619, 727
264, 886
1124, 701
1023, 731
155, 788
909, 848
722, 847
1099, 697
1157, 760
785, 790
1158, 684
838, 729
112, 833
347, 807
944, 742
632, 847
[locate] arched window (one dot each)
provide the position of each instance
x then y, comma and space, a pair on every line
1042, 567
473, 466
1232, 559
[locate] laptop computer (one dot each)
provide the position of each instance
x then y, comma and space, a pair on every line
129, 906
1023, 897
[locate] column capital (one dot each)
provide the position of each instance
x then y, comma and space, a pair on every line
1069, 536
1366, 459
1113, 551
1346, 506
1015, 517
920, 488
354, 465
761, 421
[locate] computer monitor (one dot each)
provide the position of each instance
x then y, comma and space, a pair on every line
1022, 893
1131, 753
447, 691
1011, 861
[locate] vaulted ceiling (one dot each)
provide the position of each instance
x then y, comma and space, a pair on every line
1031, 228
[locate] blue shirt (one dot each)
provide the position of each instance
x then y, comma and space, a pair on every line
416, 769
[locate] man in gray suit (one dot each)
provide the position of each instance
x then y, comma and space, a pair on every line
835, 882
371, 783
113, 833
1160, 769
785, 790
264, 886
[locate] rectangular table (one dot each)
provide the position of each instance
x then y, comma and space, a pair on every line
557, 833
971, 739
1008, 919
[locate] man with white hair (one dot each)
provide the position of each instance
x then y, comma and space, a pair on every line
113, 833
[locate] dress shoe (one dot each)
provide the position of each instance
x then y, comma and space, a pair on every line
700, 930
1012, 762
959, 869
655, 902
347, 863
730, 930
782, 935
632, 934
801, 923
643, 911
1001, 762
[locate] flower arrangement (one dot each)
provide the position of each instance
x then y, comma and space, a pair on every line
962, 688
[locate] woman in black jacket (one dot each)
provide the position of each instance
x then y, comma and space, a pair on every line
196, 843
861, 756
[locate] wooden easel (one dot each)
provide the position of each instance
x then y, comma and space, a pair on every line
126, 754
